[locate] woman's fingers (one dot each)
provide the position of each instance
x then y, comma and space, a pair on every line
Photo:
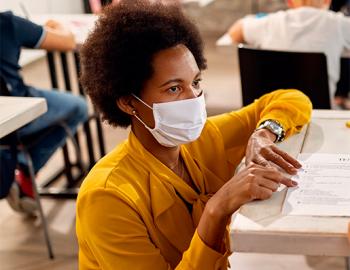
281, 179
261, 193
263, 188
287, 157
267, 183
281, 159
271, 174
260, 160
289, 182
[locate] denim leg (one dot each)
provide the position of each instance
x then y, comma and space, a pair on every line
62, 107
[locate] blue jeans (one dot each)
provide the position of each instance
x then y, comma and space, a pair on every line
45, 136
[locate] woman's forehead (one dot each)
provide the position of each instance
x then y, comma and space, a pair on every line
177, 61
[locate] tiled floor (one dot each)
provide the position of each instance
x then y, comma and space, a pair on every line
21, 239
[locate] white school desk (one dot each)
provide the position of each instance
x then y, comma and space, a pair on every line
16, 112
225, 40
260, 227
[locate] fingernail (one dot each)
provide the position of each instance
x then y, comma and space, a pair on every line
294, 183
293, 170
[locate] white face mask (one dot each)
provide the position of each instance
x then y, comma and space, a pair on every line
177, 122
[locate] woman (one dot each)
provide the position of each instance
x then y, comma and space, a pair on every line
163, 198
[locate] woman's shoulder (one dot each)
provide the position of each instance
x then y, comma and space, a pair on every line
117, 173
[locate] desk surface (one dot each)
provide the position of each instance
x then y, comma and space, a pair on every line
16, 112
225, 40
260, 227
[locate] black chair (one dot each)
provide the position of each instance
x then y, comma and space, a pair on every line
263, 71
343, 85
15, 144
59, 60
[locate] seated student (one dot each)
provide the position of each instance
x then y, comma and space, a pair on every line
63, 107
163, 198
308, 26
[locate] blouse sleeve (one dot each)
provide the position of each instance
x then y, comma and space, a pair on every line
119, 239
291, 108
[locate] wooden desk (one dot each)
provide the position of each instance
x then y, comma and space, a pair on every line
260, 227
16, 112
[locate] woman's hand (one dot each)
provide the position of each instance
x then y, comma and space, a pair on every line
53, 24
251, 183
261, 150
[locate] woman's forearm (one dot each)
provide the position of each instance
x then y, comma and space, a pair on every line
212, 226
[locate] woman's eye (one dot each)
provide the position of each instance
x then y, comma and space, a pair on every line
197, 83
174, 89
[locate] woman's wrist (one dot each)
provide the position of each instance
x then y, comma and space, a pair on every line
220, 209
212, 226
266, 134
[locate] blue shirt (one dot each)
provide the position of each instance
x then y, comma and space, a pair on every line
15, 33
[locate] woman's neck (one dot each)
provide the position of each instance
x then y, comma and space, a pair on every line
169, 156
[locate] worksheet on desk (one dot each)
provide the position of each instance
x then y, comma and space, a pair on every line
324, 186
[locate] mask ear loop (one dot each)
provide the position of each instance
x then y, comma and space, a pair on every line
134, 111
138, 118
139, 99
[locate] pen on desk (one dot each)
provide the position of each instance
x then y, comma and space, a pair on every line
24, 10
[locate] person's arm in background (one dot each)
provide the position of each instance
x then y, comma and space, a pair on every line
250, 29
52, 36
57, 37
236, 32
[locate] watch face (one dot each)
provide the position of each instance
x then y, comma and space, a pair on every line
275, 127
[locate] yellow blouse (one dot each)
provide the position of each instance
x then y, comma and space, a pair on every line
131, 212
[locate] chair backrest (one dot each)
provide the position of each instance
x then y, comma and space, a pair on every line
343, 85
263, 71
70, 70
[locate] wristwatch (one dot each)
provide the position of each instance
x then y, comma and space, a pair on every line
275, 127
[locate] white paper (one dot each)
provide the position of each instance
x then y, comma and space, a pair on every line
324, 186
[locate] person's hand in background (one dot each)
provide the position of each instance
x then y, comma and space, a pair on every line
57, 37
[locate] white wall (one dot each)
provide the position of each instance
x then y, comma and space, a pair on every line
43, 6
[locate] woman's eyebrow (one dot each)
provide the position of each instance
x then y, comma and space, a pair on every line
178, 80
171, 81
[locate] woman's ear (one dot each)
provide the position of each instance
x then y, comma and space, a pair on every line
125, 104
